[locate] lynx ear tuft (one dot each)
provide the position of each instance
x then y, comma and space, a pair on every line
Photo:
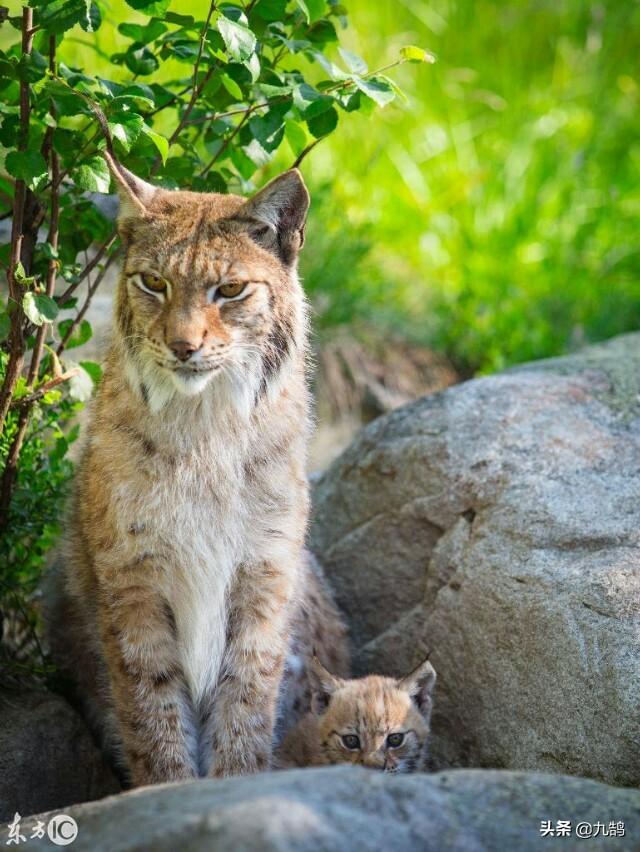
135, 193
419, 684
323, 685
276, 215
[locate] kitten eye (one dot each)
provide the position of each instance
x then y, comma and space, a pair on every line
154, 282
351, 741
395, 740
229, 291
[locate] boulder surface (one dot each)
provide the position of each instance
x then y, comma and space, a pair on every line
340, 809
496, 526
47, 756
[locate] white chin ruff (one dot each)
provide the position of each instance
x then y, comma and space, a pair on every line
190, 384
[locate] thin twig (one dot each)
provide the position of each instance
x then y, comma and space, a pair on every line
95, 260
90, 294
196, 87
225, 144
44, 388
306, 151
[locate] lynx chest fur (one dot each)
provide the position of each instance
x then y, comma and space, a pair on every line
183, 570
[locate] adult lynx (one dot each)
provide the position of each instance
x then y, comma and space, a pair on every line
184, 583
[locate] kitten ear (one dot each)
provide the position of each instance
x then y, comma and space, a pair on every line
323, 685
276, 215
419, 684
135, 193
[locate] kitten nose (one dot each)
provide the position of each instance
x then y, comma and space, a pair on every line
183, 349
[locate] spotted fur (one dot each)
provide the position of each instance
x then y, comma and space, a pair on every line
183, 574
373, 710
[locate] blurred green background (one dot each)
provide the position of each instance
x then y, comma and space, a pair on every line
497, 213
494, 216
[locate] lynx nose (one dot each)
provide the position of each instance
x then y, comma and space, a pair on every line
183, 349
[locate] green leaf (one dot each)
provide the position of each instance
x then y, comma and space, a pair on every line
155, 8
377, 89
231, 86
239, 40
143, 34
411, 53
5, 326
56, 16
39, 308
126, 127
296, 137
255, 151
181, 20
21, 277
323, 124
94, 370
159, 141
92, 175
48, 251
81, 333
141, 60
313, 9
91, 21
270, 10
354, 63
29, 166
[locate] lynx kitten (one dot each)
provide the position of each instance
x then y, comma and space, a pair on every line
184, 585
374, 721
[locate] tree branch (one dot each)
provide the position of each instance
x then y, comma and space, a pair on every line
16, 335
95, 260
45, 387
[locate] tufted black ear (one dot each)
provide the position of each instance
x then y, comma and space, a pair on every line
275, 217
323, 685
135, 194
419, 684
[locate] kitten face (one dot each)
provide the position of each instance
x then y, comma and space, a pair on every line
377, 722
208, 286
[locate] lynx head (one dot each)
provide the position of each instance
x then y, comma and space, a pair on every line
209, 286
379, 722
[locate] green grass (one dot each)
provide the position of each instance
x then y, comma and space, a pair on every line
501, 205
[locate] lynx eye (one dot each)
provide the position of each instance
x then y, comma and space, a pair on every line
231, 290
395, 740
351, 741
154, 283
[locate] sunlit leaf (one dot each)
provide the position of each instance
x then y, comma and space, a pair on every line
411, 53
354, 63
161, 143
92, 175
239, 40
377, 89
39, 308
313, 9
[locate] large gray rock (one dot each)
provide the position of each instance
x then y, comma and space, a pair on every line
497, 526
341, 809
47, 756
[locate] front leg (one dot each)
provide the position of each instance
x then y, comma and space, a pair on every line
246, 701
147, 683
